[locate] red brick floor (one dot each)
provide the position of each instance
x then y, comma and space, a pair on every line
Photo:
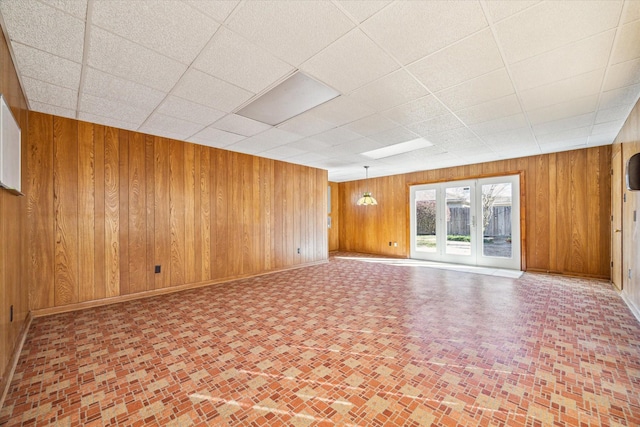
345, 343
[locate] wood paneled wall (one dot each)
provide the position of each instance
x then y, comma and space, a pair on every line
566, 200
334, 231
13, 289
108, 205
629, 137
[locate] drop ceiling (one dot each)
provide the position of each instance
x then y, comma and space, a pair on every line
479, 80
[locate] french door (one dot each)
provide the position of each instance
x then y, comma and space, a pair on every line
474, 222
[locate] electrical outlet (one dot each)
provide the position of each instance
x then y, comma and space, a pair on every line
629, 274
298, 250
389, 243
158, 268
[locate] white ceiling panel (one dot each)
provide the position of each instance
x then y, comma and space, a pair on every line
234, 59
472, 57
180, 108
475, 77
240, 125
501, 124
44, 66
52, 109
576, 107
500, 9
123, 58
159, 124
306, 125
292, 30
573, 60
550, 25
414, 29
106, 86
218, 10
350, 62
492, 110
373, 124
35, 24
623, 74
362, 10
215, 138
563, 90
46, 93
628, 43
488, 87
167, 26
390, 91
116, 110
564, 124
212, 92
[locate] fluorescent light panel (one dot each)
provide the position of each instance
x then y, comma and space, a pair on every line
294, 96
403, 147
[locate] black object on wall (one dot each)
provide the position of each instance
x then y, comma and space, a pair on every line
633, 173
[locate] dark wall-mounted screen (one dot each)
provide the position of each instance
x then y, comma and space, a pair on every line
633, 173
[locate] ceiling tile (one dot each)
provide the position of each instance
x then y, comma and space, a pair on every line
394, 136
341, 110
455, 136
212, 137
116, 110
207, 90
619, 112
306, 125
390, 91
311, 144
337, 136
512, 137
601, 139
307, 159
292, 30
350, 62
362, 10
623, 74
46, 67
575, 107
232, 58
564, 124
622, 96
563, 90
501, 124
218, 10
52, 109
120, 57
240, 125
370, 125
608, 128
412, 30
77, 8
500, 9
550, 25
472, 57
415, 111
159, 124
272, 138
167, 26
35, 24
106, 86
186, 110
566, 135
46, 93
627, 44
436, 125
355, 147
281, 153
579, 58
482, 89
494, 109
565, 145
631, 11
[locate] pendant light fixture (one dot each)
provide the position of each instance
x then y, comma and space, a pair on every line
367, 199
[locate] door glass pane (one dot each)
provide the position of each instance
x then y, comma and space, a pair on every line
496, 220
426, 220
458, 205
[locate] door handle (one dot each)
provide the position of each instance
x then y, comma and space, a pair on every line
617, 230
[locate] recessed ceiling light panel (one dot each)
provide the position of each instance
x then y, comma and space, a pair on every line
294, 96
403, 147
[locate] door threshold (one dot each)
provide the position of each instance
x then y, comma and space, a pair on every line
476, 269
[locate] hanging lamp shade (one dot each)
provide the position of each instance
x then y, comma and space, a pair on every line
366, 199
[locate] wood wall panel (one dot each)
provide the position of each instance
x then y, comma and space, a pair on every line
566, 200
121, 202
333, 233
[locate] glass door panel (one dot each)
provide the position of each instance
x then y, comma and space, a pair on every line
459, 216
425, 211
497, 202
